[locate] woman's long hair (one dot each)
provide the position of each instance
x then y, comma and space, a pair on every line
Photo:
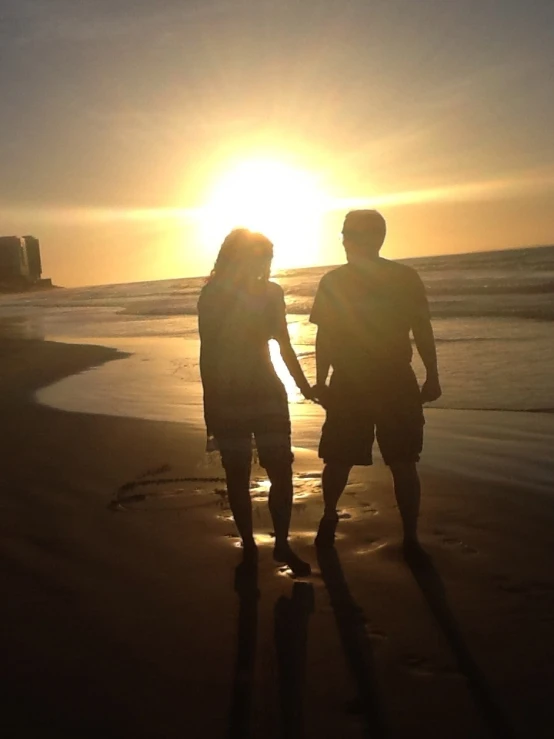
244, 256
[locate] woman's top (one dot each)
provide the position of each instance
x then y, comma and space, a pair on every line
236, 324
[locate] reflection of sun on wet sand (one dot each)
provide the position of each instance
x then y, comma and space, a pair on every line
133, 617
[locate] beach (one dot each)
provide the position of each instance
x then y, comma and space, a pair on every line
125, 616
380, 176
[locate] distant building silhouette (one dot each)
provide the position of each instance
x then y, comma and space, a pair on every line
33, 257
20, 263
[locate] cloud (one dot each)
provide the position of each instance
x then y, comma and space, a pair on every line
512, 186
79, 21
56, 215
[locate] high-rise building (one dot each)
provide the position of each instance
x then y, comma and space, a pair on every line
33, 257
20, 264
14, 264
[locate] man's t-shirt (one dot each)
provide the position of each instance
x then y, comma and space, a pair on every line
367, 314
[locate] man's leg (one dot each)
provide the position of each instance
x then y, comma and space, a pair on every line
408, 492
334, 479
280, 506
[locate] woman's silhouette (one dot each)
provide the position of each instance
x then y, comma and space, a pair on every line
239, 311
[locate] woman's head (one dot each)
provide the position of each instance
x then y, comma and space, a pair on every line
243, 256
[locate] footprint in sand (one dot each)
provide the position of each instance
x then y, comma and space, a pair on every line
155, 471
369, 510
454, 542
534, 588
418, 666
222, 493
375, 634
540, 586
371, 545
514, 587
344, 516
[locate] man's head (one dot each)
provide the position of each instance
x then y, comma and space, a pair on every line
363, 234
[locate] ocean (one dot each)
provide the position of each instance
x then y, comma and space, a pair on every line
493, 316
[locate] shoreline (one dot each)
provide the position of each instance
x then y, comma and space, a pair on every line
126, 622
159, 381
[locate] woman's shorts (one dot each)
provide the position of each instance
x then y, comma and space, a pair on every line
264, 420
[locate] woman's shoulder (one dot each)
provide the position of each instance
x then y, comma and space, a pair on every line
275, 291
212, 297
204, 293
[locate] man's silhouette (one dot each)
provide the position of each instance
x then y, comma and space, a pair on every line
365, 311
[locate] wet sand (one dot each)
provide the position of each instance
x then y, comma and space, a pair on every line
124, 615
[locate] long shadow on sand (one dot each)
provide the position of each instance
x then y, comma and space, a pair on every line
355, 643
291, 638
433, 590
246, 587
291, 634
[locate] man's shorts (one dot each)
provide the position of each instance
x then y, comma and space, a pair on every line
265, 420
386, 405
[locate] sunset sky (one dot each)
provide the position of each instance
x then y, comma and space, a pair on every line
133, 133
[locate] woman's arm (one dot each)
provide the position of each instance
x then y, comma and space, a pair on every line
209, 385
208, 364
290, 359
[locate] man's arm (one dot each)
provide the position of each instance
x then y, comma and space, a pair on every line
321, 315
425, 345
322, 360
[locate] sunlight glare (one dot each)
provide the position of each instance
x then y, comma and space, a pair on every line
285, 203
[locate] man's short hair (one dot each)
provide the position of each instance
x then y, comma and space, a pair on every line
366, 221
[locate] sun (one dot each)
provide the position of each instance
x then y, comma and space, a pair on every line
270, 196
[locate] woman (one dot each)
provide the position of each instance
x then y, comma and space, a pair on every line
239, 310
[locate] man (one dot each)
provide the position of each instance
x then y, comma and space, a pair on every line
365, 311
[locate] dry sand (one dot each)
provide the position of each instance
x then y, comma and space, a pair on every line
127, 619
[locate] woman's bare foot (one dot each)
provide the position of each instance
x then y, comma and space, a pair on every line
283, 553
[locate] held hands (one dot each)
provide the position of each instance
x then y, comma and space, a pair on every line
314, 393
309, 393
319, 394
431, 390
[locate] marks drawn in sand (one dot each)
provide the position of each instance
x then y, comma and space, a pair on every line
125, 496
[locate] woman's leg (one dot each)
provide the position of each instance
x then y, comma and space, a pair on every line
279, 472
237, 473
280, 498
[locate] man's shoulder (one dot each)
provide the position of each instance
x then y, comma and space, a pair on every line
335, 276
401, 272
